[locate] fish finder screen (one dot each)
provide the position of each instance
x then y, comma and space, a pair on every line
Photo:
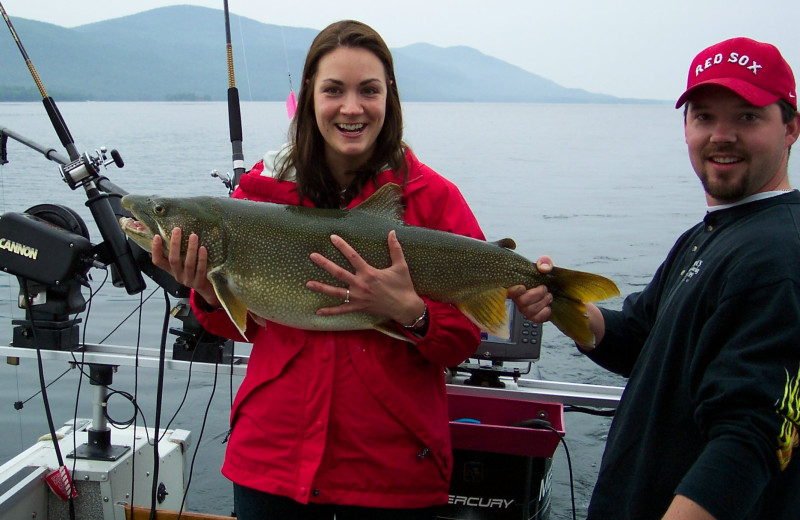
485, 336
522, 344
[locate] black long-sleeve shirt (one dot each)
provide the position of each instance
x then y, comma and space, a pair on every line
712, 350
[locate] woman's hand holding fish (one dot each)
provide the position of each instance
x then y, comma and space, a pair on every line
383, 292
192, 271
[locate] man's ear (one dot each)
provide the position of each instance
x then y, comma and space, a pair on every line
793, 130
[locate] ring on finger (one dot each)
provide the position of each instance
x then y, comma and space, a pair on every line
347, 296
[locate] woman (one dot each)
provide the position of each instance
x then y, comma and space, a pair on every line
351, 423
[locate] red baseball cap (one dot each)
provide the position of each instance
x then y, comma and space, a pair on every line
756, 71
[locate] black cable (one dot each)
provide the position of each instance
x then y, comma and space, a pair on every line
139, 309
112, 391
75, 418
590, 411
82, 373
185, 392
115, 422
569, 467
19, 405
539, 424
48, 414
230, 378
79, 363
135, 392
199, 438
230, 388
132, 397
159, 392
132, 421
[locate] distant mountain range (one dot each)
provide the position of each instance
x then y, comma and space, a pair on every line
179, 53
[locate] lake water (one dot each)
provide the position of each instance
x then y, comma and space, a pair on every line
603, 188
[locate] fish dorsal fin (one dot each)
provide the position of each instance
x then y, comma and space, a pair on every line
507, 243
487, 310
386, 203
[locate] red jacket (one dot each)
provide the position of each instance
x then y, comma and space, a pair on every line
351, 417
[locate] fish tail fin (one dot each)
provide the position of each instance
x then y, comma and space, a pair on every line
488, 311
571, 291
571, 318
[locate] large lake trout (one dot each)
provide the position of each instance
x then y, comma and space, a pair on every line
258, 261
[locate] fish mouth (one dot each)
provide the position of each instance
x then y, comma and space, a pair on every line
132, 226
139, 232
136, 225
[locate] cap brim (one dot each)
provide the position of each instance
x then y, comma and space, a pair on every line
753, 95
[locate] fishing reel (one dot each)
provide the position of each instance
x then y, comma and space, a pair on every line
86, 168
84, 171
225, 178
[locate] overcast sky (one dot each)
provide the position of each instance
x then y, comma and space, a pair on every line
627, 48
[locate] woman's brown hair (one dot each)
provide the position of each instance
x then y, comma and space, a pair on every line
307, 150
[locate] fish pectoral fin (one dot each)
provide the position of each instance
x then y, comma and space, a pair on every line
258, 319
236, 309
487, 310
389, 330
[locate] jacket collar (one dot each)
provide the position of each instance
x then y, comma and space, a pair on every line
736, 211
285, 192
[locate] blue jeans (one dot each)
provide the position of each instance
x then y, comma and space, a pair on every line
251, 504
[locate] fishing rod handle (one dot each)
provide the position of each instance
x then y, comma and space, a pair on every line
116, 240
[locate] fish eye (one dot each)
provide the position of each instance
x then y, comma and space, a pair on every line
159, 209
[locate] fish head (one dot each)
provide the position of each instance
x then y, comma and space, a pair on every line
154, 215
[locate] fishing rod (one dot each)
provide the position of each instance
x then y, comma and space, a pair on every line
234, 110
59, 480
291, 100
49, 103
83, 171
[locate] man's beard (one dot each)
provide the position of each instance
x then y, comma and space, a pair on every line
727, 191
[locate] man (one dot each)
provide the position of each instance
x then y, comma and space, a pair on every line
708, 424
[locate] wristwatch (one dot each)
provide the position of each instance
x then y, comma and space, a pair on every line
420, 323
